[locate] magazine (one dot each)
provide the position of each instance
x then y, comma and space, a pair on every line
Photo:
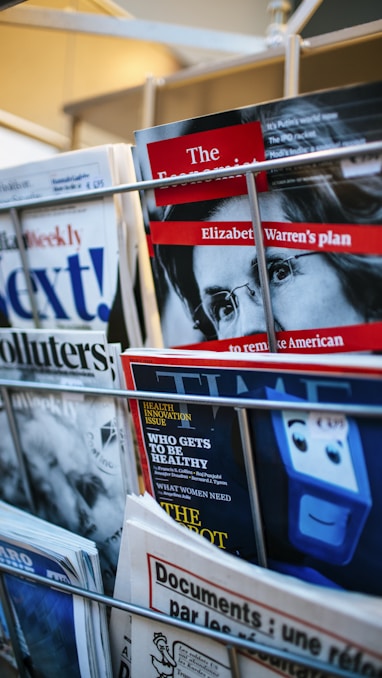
173, 571
14, 487
8, 661
76, 448
57, 633
309, 279
72, 250
311, 455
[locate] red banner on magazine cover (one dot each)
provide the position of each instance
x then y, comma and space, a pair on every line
363, 238
204, 151
347, 339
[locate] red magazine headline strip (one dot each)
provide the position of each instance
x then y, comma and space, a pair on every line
362, 239
364, 337
222, 148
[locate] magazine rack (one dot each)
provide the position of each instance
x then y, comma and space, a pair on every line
241, 405
232, 644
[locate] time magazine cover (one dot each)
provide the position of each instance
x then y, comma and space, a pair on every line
319, 286
313, 440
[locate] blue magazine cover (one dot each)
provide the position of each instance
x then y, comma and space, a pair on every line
8, 663
318, 470
57, 634
44, 617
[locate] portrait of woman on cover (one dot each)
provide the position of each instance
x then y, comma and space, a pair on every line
311, 288
220, 287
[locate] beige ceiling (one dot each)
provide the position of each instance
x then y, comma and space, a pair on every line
55, 53
42, 68
243, 16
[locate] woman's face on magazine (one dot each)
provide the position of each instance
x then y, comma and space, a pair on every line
305, 289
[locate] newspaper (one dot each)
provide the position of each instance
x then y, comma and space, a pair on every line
176, 572
56, 633
73, 250
78, 456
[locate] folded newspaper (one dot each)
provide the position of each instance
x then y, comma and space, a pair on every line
279, 619
76, 448
81, 254
57, 634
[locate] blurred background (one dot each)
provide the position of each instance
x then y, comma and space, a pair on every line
81, 72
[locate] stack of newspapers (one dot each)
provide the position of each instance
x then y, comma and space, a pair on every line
52, 632
69, 302
69, 243
279, 625
67, 455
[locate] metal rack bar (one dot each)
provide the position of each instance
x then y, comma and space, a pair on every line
232, 643
372, 411
369, 148
7, 609
252, 486
20, 243
292, 65
233, 662
16, 441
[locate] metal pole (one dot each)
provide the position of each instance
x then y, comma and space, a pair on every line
11, 626
261, 262
292, 65
252, 486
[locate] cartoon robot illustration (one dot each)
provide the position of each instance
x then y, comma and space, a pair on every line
317, 492
165, 664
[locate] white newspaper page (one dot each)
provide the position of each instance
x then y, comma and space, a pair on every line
337, 629
71, 249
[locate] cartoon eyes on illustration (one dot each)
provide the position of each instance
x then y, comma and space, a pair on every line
332, 449
317, 453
